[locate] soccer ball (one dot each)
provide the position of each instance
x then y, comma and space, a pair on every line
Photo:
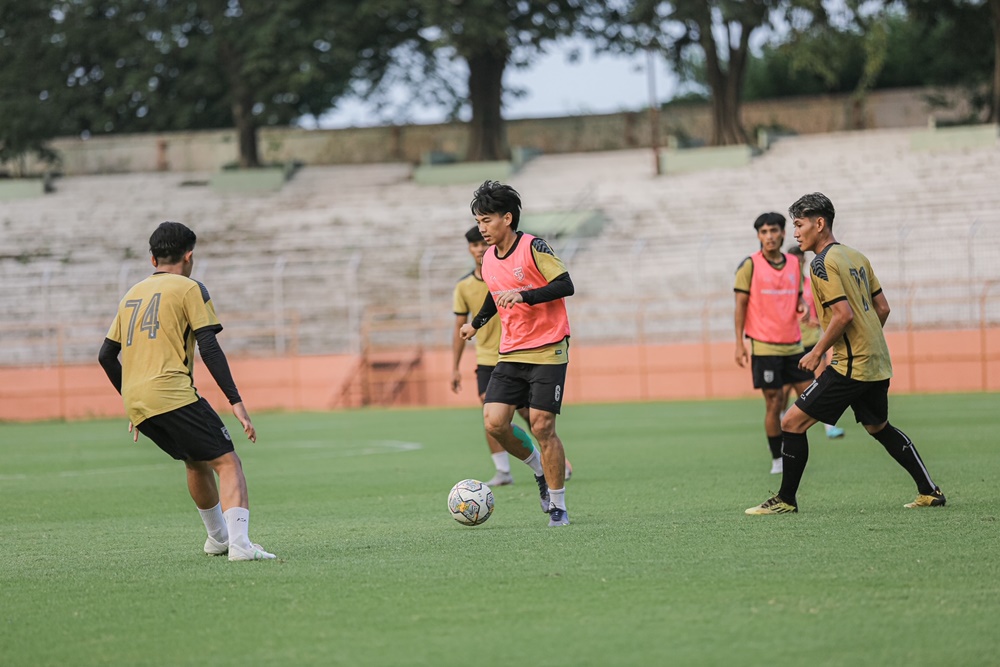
470, 502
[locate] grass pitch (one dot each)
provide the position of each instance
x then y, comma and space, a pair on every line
101, 563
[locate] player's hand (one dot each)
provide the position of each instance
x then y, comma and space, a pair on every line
241, 413
742, 356
810, 361
456, 381
467, 331
508, 299
134, 431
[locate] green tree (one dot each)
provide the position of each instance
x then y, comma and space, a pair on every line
708, 38
488, 36
140, 65
28, 51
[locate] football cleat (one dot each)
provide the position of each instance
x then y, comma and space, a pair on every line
834, 432
256, 552
215, 548
500, 479
558, 517
935, 499
777, 466
773, 505
543, 493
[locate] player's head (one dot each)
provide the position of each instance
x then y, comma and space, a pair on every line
477, 244
812, 218
770, 231
797, 251
496, 203
172, 243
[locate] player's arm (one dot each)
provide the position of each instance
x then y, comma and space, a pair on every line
559, 287
881, 305
739, 322
217, 364
108, 358
457, 347
841, 315
485, 314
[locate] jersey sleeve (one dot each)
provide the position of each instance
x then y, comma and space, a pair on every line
548, 264
743, 276
200, 310
459, 304
827, 284
115, 332
873, 282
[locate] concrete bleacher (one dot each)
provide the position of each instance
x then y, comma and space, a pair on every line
297, 268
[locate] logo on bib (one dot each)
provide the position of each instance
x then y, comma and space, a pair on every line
519, 273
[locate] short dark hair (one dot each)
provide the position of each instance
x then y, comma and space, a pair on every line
813, 206
474, 235
796, 250
772, 218
494, 197
170, 241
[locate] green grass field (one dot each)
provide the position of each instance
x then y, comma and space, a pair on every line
101, 563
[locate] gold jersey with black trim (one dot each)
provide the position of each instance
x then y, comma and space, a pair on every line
155, 326
841, 273
758, 348
470, 292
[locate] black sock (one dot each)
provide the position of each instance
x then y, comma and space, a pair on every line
774, 442
795, 455
902, 450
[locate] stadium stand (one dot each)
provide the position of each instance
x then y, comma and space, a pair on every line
297, 269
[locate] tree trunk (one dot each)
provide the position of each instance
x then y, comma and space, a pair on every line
487, 140
995, 98
726, 83
241, 105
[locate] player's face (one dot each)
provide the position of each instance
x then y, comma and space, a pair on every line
477, 250
494, 227
771, 238
806, 232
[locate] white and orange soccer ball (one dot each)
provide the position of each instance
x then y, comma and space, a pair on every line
470, 502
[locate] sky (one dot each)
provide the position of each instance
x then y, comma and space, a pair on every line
554, 86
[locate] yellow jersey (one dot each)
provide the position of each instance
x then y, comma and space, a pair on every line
840, 273
155, 326
470, 292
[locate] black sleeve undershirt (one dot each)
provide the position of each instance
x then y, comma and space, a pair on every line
215, 361
558, 288
108, 358
486, 313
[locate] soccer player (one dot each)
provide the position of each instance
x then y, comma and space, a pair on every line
470, 292
854, 310
528, 285
769, 306
155, 330
811, 331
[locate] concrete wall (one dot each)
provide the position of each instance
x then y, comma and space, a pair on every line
210, 150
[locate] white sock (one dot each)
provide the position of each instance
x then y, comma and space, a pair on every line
215, 523
558, 498
238, 522
535, 463
502, 461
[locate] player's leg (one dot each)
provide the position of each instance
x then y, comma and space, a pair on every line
500, 456
832, 430
767, 377
545, 402
826, 397
204, 492
525, 413
872, 410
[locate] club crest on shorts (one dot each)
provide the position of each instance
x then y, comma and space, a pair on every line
225, 434
768, 376
519, 273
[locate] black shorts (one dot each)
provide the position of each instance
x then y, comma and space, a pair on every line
829, 396
538, 386
192, 432
483, 374
772, 372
